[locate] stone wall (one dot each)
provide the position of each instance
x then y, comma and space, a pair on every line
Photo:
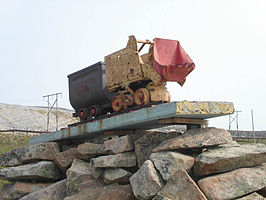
199, 164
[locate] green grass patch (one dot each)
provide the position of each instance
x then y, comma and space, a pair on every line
3, 182
250, 140
9, 142
12, 141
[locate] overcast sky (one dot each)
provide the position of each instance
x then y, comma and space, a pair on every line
43, 41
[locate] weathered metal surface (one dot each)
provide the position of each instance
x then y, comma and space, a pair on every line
183, 121
145, 118
165, 61
171, 61
124, 66
158, 92
88, 87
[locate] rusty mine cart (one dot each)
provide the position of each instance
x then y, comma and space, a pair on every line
141, 79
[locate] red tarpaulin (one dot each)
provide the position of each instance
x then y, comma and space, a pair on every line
171, 61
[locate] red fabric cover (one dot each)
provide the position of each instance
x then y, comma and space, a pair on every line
171, 61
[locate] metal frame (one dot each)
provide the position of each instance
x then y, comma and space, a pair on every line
146, 118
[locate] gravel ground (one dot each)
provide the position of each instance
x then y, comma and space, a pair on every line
32, 118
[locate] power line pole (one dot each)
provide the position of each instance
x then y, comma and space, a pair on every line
234, 119
50, 107
254, 139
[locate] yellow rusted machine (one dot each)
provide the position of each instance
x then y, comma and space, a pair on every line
141, 79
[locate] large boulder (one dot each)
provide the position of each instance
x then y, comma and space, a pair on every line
64, 159
116, 175
144, 144
20, 189
253, 196
79, 167
116, 192
234, 184
80, 176
119, 145
37, 152
89, 150
196, 138
146, 182
76, 184
40, 171
127, 159
110, 192
55, 191
230, 158
168, 162
180, 186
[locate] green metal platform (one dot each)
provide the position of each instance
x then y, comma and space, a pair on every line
178, 112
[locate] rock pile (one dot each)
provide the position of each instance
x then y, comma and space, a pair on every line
33, 118
200, 164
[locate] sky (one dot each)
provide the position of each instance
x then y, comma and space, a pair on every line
41, 42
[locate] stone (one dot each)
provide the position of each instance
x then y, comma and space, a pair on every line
80, 167
146, 182
144, 144
127, 159
117, 175
64, 159
89, 150
55, 191
230, 158
80, 176
119, 145
40, 171
234, 184
253, 196
168, 162
110, 192
157, 197
20, 189
117, 192
76, 184
180, 186
230, 144
32, 153
196, 138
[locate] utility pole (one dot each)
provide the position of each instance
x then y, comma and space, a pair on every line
234, 119
254, 139
50, 107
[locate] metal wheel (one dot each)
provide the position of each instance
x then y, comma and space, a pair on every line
142, 97
95, 110
128, 98
83, 114
117, 103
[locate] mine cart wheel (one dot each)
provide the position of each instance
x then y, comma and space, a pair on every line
128, 100
142, 97
83, 114
117, 103
95, 110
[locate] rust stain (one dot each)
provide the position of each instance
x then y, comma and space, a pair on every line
62, 134
80, 129
100, 124
85, 128
68, 132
